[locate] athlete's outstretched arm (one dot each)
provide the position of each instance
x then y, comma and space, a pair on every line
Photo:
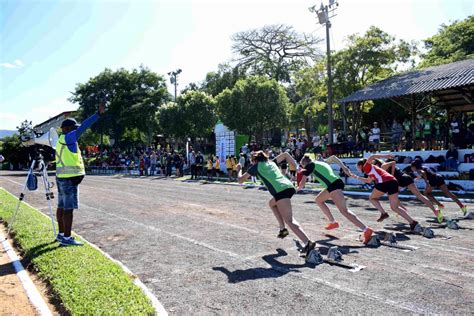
286, 156
241, 177
336, 160
378, 156
362, 179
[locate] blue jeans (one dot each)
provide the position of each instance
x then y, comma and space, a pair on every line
67, 194
451, 164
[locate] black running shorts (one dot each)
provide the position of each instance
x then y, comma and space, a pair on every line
336, 185
389, 187
404, 181
285, 194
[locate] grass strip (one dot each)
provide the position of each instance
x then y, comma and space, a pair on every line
82, 279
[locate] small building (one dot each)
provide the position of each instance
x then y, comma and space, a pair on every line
54, 121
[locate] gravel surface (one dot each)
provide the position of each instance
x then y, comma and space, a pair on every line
212, 249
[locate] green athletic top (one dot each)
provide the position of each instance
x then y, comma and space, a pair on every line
270, 174
322, 171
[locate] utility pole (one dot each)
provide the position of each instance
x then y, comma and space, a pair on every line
324, 14
174, 80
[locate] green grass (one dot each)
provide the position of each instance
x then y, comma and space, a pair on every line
82, 279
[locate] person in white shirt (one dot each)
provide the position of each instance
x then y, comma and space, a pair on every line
375, 135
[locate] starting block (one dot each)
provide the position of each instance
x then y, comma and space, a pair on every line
469, 215
390, 237
418, 229
452, 224
314, 257
374, 241
428, 232
334, 254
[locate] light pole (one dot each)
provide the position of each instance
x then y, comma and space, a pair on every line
324, 13
174, 80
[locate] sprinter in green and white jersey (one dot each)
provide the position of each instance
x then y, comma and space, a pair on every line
333, 186
281, 189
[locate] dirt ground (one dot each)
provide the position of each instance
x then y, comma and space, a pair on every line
13, 299
212, 249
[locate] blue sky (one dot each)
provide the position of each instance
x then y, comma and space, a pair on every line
47, 47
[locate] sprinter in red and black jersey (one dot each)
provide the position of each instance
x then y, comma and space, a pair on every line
385, 183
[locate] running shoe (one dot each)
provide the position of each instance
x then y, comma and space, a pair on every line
439, 216
413, 225
367, 235
309, 246
382, 217
464, 210
70, 241
59, 237
283, 233
332, 226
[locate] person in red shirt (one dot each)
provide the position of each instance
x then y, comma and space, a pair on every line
385, 183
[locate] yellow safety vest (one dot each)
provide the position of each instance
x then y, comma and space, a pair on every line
68, 164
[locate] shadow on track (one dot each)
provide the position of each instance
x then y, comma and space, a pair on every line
276, 270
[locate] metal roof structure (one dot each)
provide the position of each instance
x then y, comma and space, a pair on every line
449, 85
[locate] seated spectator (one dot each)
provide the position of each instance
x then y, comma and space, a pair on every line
452, 158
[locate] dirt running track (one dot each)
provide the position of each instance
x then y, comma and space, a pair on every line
209, 248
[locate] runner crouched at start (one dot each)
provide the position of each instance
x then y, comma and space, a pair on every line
333, 186
385, 184
281, 188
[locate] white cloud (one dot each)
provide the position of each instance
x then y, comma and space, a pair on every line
16, 64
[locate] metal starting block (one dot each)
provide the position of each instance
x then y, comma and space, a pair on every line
418, 229
334, 254
390, 237
452, 224
428, 232
374, 241
314, 257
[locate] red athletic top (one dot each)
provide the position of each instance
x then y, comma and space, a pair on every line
376, 173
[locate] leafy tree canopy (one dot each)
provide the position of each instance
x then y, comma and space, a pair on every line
452, 43
254, 105
275, 51
133, 100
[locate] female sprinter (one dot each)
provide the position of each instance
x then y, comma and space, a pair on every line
405, 181
281, 189
385, 184
434, 180
333, 186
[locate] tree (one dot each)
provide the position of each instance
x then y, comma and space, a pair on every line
193, 115
275, 51
133, 97
254, 105
452, 43
310, 100
198, 112
225, 77
170, 120
25, 130
369, 58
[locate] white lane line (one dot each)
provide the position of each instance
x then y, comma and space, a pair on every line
160, 310
31, 291
251, 263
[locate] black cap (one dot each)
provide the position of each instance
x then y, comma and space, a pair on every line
69, 122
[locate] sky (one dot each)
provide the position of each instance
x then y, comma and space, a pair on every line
47, 47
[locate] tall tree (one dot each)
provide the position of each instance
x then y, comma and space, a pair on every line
275, 51
254, 105
133, 100
371, 57
225, 77
452, 43
310, 103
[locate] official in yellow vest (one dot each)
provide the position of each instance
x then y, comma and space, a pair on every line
69, 173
